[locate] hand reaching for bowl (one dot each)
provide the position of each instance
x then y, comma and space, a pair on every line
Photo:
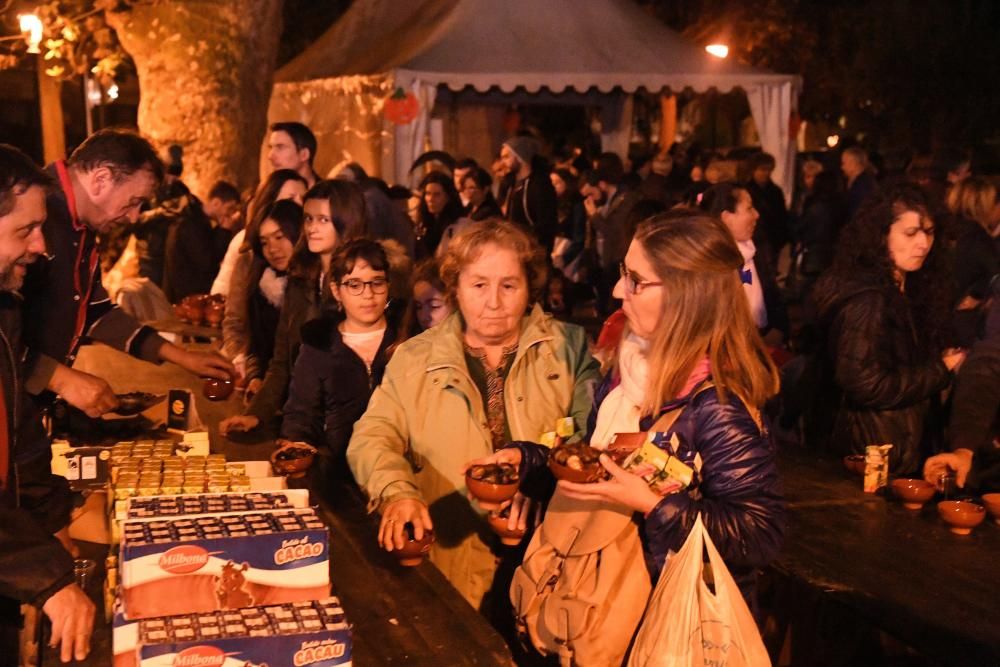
959, 460
391, 531
624, 488
238, 423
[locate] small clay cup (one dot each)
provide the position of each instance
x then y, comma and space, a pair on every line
214, 312
180, 312
498, 522
215, 389
961, 516
992, 502
913, 492
855, 463
490, 492
293, 459
414, 551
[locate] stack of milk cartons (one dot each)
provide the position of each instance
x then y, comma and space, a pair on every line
191, 556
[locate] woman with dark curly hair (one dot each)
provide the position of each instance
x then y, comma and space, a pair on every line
884, 305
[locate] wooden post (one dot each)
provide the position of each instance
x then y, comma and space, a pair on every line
50, 108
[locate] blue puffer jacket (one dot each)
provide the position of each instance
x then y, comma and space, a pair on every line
737, 493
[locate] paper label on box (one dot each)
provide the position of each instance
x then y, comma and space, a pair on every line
89, 467
73, 468
317, 649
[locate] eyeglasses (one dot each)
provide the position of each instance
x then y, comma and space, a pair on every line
356, 287
633, 284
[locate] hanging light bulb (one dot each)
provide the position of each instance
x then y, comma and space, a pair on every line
31, 28
113, 92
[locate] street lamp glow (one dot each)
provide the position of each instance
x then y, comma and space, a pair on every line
31, 28
832, 140
718, 50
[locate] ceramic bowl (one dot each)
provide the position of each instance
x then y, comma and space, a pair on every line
498, 522
913, 492
961, 516
481, 482
215, 389
855, 463
293, 459
414, 551
180, 312
214, 313
992, 502
576, 463
135, 402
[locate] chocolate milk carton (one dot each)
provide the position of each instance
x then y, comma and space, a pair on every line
313, 633
210, 563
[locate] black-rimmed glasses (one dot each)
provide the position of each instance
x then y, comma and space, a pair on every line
634, 284
356, 286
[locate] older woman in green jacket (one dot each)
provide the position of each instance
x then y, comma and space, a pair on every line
495, 371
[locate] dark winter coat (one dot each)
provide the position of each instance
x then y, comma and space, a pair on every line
302, 303
34, 503
863, 187
817, 234
612, 224
773, 226
774, 302
488, 209
737, 493
975, 414
884, 373
531, 203
975, 259
329, 391
573, 225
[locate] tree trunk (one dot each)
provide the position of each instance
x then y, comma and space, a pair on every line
205, 74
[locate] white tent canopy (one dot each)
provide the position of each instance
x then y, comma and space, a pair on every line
557, 45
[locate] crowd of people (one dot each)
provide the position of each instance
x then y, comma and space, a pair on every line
410, 334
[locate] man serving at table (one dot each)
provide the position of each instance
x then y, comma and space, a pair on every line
102, 185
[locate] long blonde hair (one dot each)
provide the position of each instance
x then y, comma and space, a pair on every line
974, 198
704, 311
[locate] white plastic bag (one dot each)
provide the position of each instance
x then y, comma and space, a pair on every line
686, 625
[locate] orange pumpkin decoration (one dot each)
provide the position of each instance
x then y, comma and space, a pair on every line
402, 107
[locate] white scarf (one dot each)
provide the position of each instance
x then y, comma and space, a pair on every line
620, 411
754, 291
272, 286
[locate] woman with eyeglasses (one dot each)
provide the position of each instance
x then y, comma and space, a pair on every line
690, 364
334, 213
342, 358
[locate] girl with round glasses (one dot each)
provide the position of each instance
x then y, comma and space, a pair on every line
342, 358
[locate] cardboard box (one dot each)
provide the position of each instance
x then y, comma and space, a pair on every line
90, 523
147, 508
313, 633
86, 468
204, 564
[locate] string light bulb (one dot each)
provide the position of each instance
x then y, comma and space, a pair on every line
718, 50
31, 28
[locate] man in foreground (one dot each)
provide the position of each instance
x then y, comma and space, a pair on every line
35, 568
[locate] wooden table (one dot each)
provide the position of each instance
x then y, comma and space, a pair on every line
401, 616
186, 330
866, 558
